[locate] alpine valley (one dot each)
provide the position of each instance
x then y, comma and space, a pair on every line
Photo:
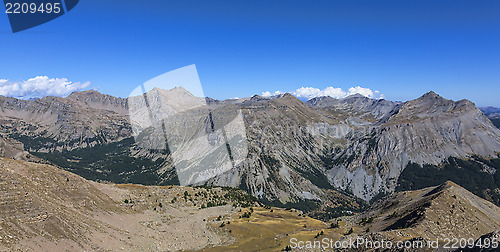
325, 156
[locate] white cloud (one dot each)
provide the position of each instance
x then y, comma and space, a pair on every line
366, 92
307, 92
40, 86
337, 93
269, 94
310, 92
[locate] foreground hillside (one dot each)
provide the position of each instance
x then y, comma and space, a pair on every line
447, 210
436, 214
43, 208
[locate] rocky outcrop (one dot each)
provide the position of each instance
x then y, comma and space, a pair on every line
12, 149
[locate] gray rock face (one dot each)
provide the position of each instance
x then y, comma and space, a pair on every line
283, 153
296, 150
360, 145
356, 104
427, 130
65, 123
96, 100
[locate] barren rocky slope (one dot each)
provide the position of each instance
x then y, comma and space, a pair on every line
440, 213
43, 208
447, 210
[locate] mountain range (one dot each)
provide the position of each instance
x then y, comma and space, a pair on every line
303, 154
493, 114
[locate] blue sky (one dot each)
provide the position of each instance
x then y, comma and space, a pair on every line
400, 48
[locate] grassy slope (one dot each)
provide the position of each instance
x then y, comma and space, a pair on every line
270, 231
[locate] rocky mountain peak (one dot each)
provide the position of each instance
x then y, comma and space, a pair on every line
211, 101
431, 94
289, 100
88, 96
286, 95
466, 103
431, 98
432, 104
96, 100
356, 103
90, 92
321, 101
256, 98
356, 96
179, 89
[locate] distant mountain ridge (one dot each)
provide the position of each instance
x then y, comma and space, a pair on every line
356, 103
493, 114
298, 151
490, 110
